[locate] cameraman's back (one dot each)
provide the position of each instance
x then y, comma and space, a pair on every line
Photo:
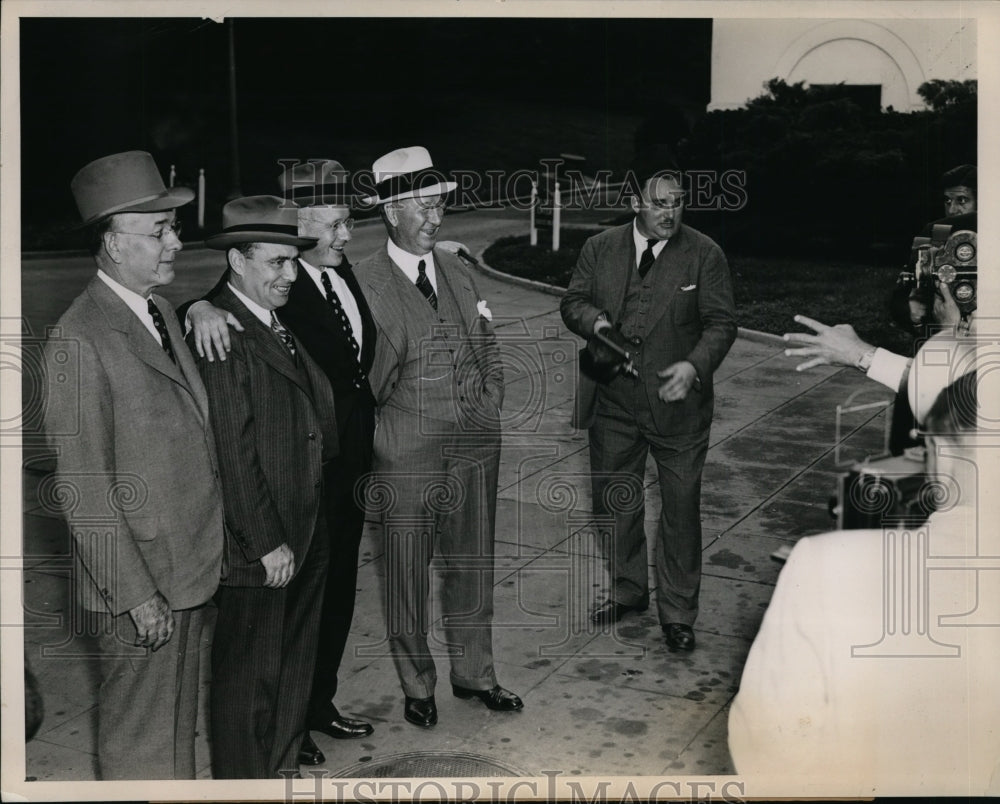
858, 680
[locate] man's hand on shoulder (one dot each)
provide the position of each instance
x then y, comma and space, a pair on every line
210, 327
678, 379
279, 566
154, 622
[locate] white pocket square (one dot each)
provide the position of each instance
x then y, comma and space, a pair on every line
689, 287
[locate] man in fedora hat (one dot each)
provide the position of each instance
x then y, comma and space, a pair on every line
135, 445
438, 384
327, 314
275, 427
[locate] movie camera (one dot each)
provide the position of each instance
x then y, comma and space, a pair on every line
949, 256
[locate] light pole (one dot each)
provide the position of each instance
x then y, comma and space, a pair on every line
234, 139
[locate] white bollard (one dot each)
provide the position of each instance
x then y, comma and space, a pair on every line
534, 202
201, 198
173, 175
556, 204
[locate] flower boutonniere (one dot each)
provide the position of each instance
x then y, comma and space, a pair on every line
484, 311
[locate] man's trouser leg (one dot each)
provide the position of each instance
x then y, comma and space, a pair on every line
148, 704
465, 545
618, 453
679, 460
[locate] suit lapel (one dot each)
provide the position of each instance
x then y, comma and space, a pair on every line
384, 303
185, 362
140, 340
622, 268
670, 271
368, 335
265, 343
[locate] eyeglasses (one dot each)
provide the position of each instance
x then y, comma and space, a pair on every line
346, 223
174, 227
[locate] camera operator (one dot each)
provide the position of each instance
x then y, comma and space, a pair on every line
908, 304
824, 699
944, 280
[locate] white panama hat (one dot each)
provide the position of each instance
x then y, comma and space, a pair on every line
406, 173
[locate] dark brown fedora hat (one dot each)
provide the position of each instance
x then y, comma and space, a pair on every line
259, 219
125, 182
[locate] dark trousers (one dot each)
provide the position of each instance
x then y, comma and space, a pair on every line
345, 478
620, 441
148, 701
263, 658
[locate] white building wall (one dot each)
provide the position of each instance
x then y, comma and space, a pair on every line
899, 54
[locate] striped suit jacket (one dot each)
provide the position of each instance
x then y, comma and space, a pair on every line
275, 426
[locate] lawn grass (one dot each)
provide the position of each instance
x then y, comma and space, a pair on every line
768, 291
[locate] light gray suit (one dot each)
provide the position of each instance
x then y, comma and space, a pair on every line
137, 465
438, 384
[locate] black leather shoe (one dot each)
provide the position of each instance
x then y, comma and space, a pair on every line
343, 728
497, 698
611, 611
679, 636
421, 712
309, 753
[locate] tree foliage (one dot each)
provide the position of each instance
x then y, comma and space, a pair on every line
827, 176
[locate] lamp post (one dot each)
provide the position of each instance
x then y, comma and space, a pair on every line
234, 140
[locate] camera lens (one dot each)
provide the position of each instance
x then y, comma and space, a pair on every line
964, 292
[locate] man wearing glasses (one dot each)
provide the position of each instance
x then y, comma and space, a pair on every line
135, 449
327, 314
666, 288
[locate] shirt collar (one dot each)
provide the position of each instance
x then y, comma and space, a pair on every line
264, 316
640, 242
409, 262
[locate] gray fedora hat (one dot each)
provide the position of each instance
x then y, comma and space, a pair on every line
125, 182
259, 219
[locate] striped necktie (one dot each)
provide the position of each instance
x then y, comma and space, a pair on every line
283, 334
424, 285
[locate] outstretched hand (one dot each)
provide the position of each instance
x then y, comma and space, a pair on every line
834, 346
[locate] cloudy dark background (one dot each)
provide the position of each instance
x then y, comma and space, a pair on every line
479, 93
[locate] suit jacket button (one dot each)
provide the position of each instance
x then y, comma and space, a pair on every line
311, 436
316, 484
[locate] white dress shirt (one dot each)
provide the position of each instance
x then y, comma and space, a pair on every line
408, 263
264, 316
347, 300
640, 244
136, 303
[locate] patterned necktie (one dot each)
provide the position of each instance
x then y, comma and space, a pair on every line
161, 328
424, 285
283, 334
338, 311
345, 323
647, 259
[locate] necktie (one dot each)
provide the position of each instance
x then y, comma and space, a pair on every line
283, 334
161, 328
345, 323
647, 259
338, 311
424, 285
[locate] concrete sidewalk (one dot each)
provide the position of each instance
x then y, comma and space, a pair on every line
597, 702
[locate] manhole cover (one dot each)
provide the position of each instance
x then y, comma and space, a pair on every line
424, 764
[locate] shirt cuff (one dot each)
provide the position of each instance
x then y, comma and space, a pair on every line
888, 368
